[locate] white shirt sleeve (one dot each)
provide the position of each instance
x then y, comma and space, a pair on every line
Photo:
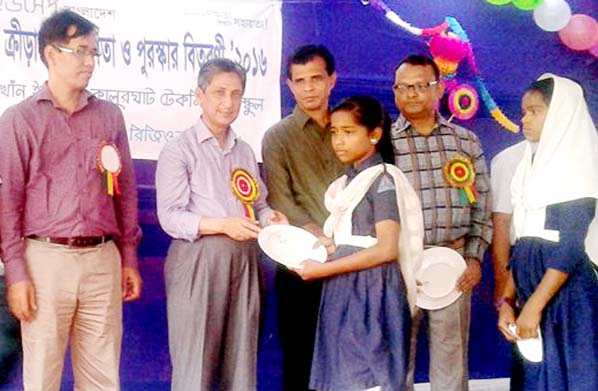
502, 169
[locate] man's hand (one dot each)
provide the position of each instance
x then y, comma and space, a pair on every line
21, 300
277, 217
471, 276
131, 284
240, 228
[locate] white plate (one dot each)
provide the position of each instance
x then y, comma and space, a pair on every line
290, 245
437, 278
530, 348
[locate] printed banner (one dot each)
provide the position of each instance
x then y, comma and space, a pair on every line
150, 55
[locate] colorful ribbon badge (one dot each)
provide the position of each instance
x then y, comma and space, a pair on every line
109, 165
459, 172
246, 189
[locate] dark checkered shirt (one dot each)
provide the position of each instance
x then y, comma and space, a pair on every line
422, 159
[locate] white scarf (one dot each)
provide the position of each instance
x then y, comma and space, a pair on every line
341, 199
564, 167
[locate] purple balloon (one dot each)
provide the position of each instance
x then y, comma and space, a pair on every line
581, 33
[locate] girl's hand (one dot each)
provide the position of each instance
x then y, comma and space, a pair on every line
506, 317
528, 321
327, 242
310, 270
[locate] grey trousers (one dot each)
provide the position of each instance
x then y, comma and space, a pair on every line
448, 335
213, 305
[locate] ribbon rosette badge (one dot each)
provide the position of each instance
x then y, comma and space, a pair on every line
109, 164
246, 189
459, 172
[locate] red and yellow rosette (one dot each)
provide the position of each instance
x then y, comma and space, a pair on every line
109, 164
459, 172
245, 187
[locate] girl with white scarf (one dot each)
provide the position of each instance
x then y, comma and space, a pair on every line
554, 193
364, 323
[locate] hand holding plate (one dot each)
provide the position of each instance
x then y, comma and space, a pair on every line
277, 217
240, 228
328, 244
471, 276
506, 319
528, 322
310, 270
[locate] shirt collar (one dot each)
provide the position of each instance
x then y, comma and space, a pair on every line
302, 120
402, 124
370, 162
44, 94
300, 116
203, 133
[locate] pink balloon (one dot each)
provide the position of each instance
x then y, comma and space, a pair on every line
581, 33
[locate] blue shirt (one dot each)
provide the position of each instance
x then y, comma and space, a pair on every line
193, 180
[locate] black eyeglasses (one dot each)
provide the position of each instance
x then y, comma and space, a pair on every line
418, 87
79, 52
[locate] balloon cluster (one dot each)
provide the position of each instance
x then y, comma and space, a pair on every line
577, 32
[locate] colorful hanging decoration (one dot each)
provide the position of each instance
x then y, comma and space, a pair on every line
109, 165
246, 189
463, 102
459, 172
449, 46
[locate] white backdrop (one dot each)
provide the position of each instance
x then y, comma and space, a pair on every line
150, 54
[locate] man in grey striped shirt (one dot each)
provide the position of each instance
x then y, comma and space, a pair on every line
424, 143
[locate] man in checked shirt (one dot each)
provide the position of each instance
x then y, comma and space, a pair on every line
424, 142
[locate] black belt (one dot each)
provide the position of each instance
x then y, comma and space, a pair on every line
77, 241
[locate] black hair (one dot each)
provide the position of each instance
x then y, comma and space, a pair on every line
304, 54
55, 30
421, 60
544, 87
369, 112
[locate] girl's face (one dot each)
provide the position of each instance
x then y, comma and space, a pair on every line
351, 140
534, 111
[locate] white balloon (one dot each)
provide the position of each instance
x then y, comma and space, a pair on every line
552, 15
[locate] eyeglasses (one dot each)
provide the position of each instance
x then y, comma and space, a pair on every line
419, 87
79, 52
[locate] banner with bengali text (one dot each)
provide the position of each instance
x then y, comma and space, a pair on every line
149, 55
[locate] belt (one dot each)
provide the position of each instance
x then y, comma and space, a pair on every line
77, 241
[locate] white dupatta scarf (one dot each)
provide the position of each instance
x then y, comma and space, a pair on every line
341, 199
564, 168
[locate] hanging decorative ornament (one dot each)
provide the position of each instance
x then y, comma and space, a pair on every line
581, 33
526, 5
447, 61
109, 164
459, 172
246, 189
448, 49
552, 15
463, 102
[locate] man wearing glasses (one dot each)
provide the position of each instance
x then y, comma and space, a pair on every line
424, 144
69, 240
